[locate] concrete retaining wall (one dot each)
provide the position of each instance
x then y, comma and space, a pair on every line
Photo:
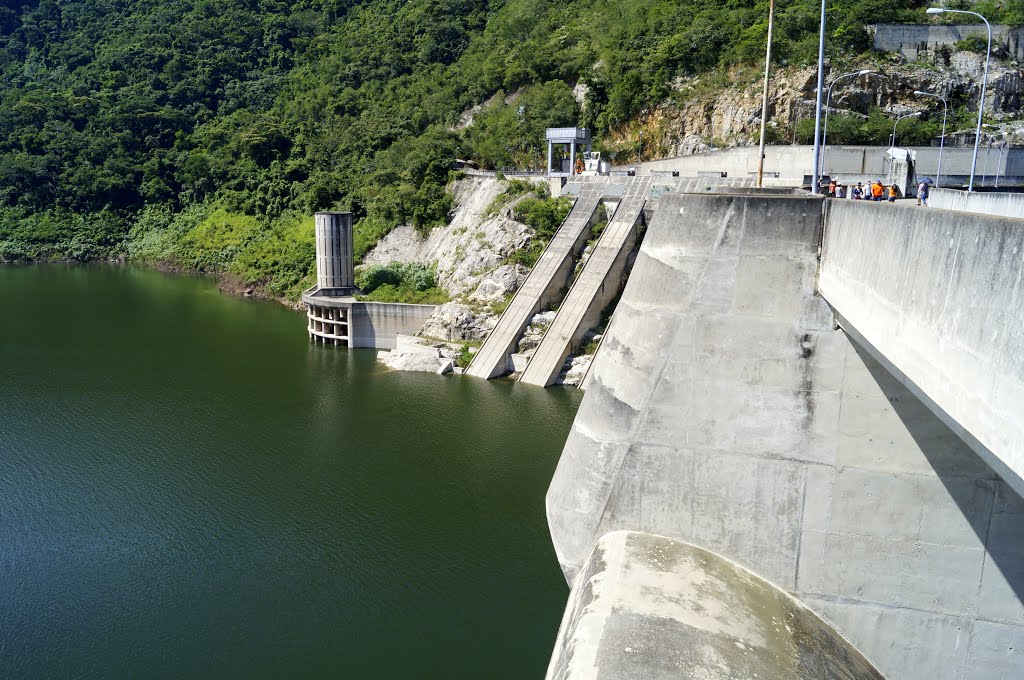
939, 294
378, 324
725, 410
911, 39
984, 202
846, 162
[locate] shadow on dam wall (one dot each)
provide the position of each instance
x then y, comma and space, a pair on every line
727, 411
992, 508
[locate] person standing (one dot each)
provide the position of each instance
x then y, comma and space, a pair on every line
858, 192
922, 194
894, 193
877, 190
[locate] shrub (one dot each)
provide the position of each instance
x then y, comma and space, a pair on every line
543, 214
465, 356
409, 275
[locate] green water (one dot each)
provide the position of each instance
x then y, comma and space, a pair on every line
188, 488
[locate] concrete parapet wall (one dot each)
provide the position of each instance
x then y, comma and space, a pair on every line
984, 202
650, 607
725, 410
939, 295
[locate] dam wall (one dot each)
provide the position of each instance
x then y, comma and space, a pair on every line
938, 296
726, 410
1001, 204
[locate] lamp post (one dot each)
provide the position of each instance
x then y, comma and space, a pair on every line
892, 142
999, 154
817, 102
942, 139
828, 98
764, 94
984, 81
999, 160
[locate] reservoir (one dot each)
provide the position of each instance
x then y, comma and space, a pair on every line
189, 488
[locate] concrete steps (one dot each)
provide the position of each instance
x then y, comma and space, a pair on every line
598, 283
546, 282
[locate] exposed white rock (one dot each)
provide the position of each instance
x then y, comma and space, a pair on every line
500, 283
544, 319
534, 332
414, 360
456, 322
578, 367
471, 256
472, 246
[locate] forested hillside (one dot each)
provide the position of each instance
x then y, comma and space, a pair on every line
203, 134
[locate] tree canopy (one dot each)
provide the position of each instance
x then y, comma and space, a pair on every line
114, 112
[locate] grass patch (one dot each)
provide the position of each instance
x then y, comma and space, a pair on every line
391, 293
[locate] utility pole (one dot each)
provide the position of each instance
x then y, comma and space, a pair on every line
764, 94
816, 174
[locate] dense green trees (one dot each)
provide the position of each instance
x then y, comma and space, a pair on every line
147, 127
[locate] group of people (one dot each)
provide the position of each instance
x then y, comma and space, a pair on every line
875, 191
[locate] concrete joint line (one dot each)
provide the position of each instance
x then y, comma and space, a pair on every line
663, 358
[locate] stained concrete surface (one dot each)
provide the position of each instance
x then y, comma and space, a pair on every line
646, 606
726, 410
939, 295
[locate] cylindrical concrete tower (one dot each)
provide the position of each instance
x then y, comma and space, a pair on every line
334, 266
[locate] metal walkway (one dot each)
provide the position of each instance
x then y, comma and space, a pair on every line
546, 282
598, 283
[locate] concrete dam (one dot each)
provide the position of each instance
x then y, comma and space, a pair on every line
801, 449
800, 453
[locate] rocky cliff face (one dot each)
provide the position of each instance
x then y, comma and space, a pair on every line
471, 255
703, 115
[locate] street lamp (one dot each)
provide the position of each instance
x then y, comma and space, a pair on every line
828, 97
984, 81
942, 139
892, 142
817, 103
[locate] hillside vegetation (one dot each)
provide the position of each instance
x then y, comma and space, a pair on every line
204, 134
